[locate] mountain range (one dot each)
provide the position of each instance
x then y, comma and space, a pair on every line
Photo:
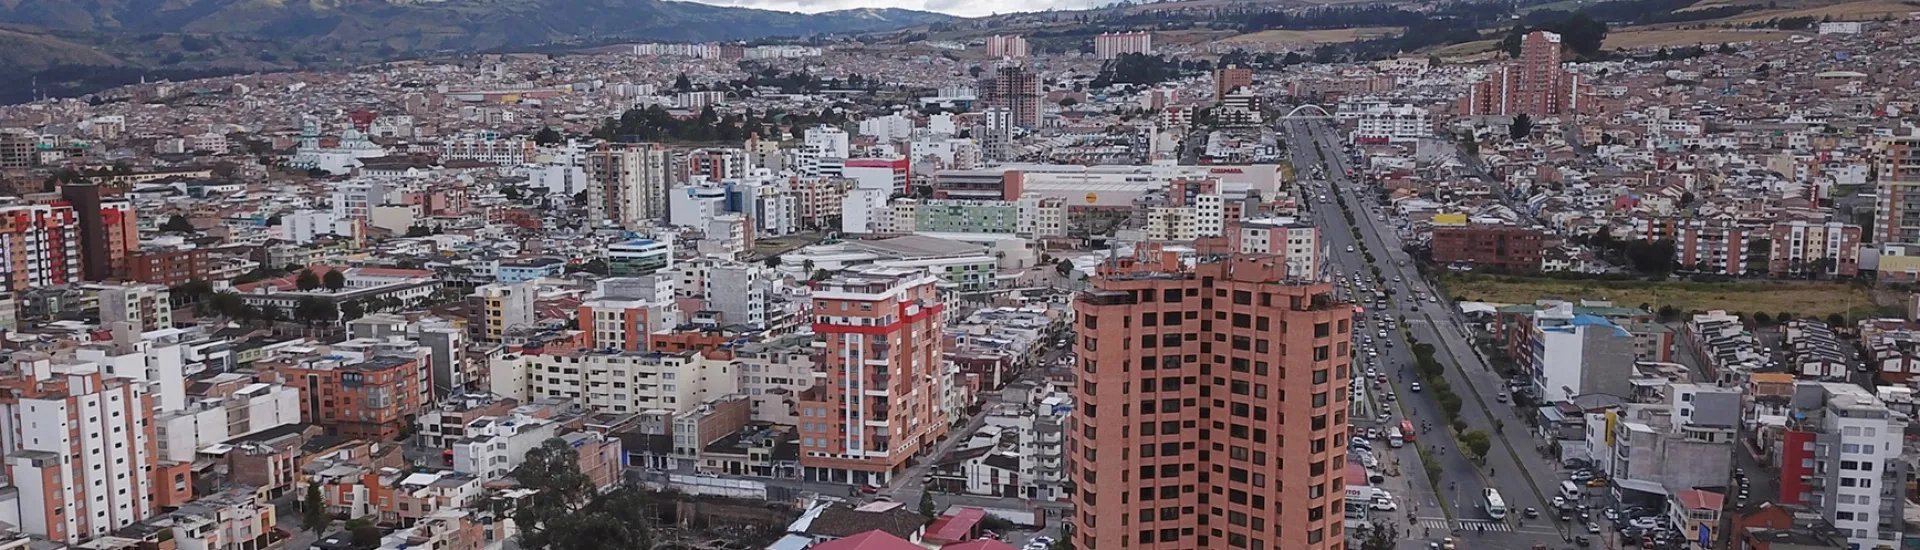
250, 35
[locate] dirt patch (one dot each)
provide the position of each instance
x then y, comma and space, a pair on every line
1801, 299
1322, 36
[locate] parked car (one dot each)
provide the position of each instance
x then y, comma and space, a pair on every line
1647, 522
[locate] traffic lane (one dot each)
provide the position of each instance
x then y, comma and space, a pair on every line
1459, 491
1514, 487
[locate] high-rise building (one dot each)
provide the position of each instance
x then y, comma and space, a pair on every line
507, 307
148, 307
996, 135
1115, 44
1841, 454
1229, 78
1897, 208
1006, 46
17, 148
45, 240
625, 310
879, 384
1190, 381
81, 449
1016, 89
1534, 84
626, 184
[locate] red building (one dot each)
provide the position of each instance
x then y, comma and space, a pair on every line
1503, 247
1533, 84
879, 403
1801, 248
1182, 410
169, 267
373, 399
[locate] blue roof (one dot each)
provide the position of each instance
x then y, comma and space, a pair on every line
1583, 319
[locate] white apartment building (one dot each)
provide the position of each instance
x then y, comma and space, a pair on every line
1114, 44
887, 128
1393, 124
1843, 450
626, 184
147, 306
355, 199
1042, 217
488, 147
740, 293
1297, 241
507, 306
623, 382
494, 445
773, 373
181, 434
75, 449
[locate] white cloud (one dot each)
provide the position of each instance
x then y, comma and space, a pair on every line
964, 8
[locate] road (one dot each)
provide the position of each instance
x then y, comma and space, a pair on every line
1462, 481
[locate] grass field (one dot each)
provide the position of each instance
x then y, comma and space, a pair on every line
1468, 48
1850, 11
1816, 299
1632, 39
1314, 36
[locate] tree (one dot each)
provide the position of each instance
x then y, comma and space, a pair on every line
315, 309
335, 280
927, 507
1064, 268
313, 511
1477, 442
352, 310
1521, 128
272, 314
177, 224
419, 231
1762, 319
772, 261
560, 489
682, 84
1378, 535
595, 266
1836, 320
306, 281
548, 136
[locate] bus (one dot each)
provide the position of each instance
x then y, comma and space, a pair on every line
1406, 429
1395, 438
1496, 507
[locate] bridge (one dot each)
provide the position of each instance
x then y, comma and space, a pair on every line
1297, 113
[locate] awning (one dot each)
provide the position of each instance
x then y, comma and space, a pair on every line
1640, 485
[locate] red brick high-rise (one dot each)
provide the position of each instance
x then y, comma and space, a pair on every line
1533, 84
1211, 409
880, 400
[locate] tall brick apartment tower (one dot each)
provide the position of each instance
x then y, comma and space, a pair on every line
1211, 410
880, 401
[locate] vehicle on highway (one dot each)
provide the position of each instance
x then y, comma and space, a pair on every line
1406, 429
1395, 438
1496, 506
1414, 386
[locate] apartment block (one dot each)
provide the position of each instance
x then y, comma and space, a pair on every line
1012, 46
1115, 44
364, 397
506, 307
622, 382
1189, 380
1682, 441
148, 307
1501, 247
1839, 454
1041, 217
1801, 249
44, 245
876, 400
623, 311
1897, 203
1573, 354
1720, 249
1296, 241
81, 452
772, 375
626, 184
1534, 84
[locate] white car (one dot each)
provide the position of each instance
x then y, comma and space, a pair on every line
1415, 386
1646, 522
1383, 504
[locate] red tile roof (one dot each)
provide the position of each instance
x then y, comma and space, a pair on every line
956, 527
870, 540
978, 545
1695, 499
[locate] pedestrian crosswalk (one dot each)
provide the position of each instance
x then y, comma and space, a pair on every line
1474, 525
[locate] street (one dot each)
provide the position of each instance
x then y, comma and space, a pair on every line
1514, 468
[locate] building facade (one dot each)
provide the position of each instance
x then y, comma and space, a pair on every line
1180, 409
1510, 248
877, 400
1115, 44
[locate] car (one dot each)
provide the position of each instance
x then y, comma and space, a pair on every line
1383, 417
1597, 482
1612, 514
1446, 543
1371, 462
1043, 539
1396, 278
1384, 504
1501, 398
1433, 546
1559, 502
1034, 546
1373, 433
869, 488
1360, 443
1414, 386
1349, 248
1593, 527
1579, 476
1647, 522
1532, 513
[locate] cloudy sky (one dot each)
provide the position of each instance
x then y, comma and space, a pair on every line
965, 8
